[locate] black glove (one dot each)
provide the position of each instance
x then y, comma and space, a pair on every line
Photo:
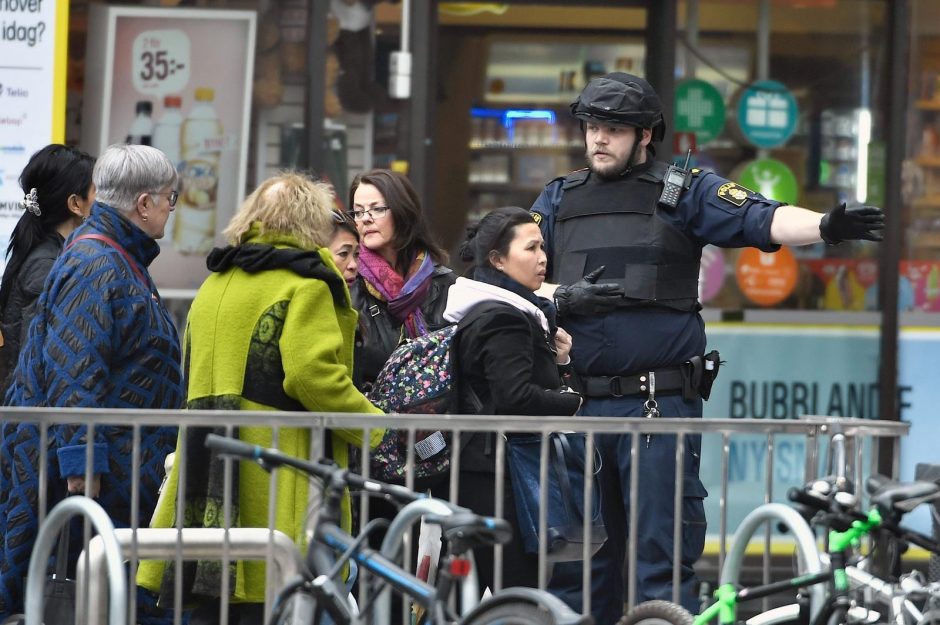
841, 224
585, 298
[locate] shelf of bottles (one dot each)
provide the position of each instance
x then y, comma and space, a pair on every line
514, 152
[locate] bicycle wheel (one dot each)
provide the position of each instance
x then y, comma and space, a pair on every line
657, 613
512, 613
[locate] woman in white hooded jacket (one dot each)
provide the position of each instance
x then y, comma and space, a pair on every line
511, 355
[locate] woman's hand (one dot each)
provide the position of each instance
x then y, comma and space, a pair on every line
562, 347
76, 485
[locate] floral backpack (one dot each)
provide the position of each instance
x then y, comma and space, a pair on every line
420, 377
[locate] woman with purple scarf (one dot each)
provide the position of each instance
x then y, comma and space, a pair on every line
402, 287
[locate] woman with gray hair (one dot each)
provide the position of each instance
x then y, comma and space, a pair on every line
101, 338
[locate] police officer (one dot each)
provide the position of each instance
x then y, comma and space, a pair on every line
619, 220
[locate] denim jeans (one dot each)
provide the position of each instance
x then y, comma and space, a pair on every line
656, 503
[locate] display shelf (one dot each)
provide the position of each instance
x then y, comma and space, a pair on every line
504, 187
925, 239
509, 147
928, 105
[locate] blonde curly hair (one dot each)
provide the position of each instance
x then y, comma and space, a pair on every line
289, 203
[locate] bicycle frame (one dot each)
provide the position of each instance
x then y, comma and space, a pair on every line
330, 539
727, 596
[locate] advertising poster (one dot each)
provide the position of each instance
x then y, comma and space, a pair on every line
847, 283
33, 42
179, 80
779, 372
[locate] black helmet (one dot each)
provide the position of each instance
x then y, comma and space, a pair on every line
621, 98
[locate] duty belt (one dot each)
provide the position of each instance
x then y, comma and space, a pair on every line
667, 381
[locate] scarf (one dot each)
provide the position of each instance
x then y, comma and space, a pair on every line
255, 257
403, 294
497, 278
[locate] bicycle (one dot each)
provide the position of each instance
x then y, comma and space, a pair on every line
309, 599
890, 501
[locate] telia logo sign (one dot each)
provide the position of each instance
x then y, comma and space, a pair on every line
767, 113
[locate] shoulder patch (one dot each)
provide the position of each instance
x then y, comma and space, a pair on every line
537, 217
734, 193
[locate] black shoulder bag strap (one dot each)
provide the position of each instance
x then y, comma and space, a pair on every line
62, 553
562, 452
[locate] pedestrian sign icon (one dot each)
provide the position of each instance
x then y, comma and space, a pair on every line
699, 109
767, 113
771, 178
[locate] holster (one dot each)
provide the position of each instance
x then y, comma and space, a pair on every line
699, 373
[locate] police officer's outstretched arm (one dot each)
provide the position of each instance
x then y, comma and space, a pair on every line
793, 225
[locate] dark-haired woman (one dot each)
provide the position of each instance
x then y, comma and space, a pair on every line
57, 197
510, 353
403, 280
344, 247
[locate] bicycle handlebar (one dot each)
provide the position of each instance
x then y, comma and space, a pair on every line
817, 502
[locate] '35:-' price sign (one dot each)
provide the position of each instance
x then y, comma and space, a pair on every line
161, 62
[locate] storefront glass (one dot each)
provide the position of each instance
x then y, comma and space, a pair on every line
920, 265
799, 118
790, 103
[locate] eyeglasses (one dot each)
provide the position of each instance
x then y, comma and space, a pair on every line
376, 212
339, 217
173, 196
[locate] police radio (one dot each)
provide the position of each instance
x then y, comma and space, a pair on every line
676, 180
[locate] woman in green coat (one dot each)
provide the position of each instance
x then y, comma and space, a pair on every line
271, 328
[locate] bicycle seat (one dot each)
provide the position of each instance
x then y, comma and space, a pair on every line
900, 497
472, 529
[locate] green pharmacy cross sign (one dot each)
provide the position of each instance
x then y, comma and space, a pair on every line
767, 113
700, 109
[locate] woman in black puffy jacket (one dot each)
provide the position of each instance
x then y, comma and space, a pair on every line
514, 358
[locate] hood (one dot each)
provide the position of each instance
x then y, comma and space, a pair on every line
464, 294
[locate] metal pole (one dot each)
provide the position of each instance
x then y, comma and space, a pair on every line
691, 36
897, 72
763, 50
661, 22
423, 27
314, 106
763, 40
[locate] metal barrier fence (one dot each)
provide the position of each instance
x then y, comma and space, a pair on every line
863, 437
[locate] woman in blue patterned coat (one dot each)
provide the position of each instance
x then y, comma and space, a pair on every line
102, 338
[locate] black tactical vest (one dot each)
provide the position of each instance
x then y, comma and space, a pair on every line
615, 223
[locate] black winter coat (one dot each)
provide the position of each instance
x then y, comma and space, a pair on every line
507, 359
21, 305
380, 333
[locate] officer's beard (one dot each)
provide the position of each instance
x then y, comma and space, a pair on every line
620, 167
609, 170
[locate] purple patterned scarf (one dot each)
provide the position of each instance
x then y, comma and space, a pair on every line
404, 296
